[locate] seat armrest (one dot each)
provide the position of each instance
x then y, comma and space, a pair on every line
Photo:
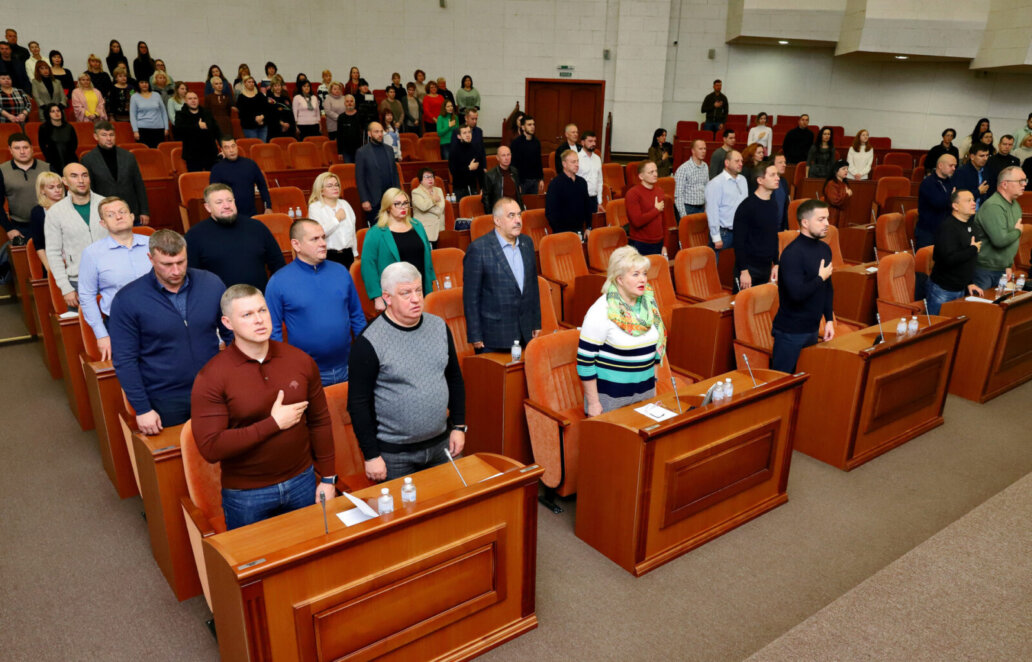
561, 420
196, 517
687, 374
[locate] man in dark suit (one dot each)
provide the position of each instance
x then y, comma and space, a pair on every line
375, 171
502, 181
115, 172
500, 286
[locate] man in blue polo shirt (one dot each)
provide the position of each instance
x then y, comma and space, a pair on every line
318, 303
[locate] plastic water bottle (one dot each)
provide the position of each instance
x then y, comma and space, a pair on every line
290, 213
298, 214
447, 282
1020, 284
517, 351
385, 504
901, 327
718, 393
408, 491
912, 326
729, 389
1001, 287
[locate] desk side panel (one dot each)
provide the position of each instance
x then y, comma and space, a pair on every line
830, 403
978, 341
1012, 363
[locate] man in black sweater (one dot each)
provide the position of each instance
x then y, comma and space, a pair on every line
798, 141
1003, 158
804, 289
971, 175
568, 206
955, 255
350, 130
242, 175
526, 158
756, 230
466, 163
237, 249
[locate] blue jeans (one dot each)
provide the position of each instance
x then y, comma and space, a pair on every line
261, 133
987, 279
409, 462
333, 375
936, 296
445, 151
787, 347
711, 126
694, 209
727, 238
243, 507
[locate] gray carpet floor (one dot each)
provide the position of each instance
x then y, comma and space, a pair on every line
77, 580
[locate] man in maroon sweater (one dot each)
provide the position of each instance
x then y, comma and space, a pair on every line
645, 206
258, 408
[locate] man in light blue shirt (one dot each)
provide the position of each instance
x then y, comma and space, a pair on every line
109, 264
723, 195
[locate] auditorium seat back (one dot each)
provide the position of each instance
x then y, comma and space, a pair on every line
630, 175
367, 304
695, 274
304, 155
428, 148
693, 230
286, 198
601, 244
667, 185
549, 320
153, 164
269, 157
330, 155
562, 260
347, 456
793, 213
616, 213
89, 339
346, 174
279, 226
786, 237
613, 177
890, 235
663, 288
471, 206
57, 300
145, 230
547, 175
755, 309
896, 287
888, 187
555, 408
245, 145
832, 240
481, 225
535, 226
203, 509
884, 170
409, 146
447, 262
177, 162
447, 304
283, 142
901, 159
924, 260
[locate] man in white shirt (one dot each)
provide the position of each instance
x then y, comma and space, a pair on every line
591, 166
723, 195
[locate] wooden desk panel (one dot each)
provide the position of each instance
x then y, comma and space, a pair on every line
649, 492
857, 243
162, 485
23, 286
43, 308
861, 401
303, 178
496, 387
447, 578
454, 239
701, 337
855, 293
68, 339
995, 353
105, 395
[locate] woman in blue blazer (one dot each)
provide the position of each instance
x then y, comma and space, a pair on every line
396, 237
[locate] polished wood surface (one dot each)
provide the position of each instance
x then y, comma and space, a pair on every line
105, 394
496, 387
43, 308
23, 286
863, 400
649, 492
855, 291
162, 485
857, 243
449, 577
68, 340
700, 338
995, 352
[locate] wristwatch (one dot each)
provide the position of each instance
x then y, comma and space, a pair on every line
329, 480
461, 428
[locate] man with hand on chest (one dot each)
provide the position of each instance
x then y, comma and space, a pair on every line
259, 409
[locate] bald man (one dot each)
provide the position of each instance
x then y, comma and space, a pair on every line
572, 134
72, 224
933, 201
502, 181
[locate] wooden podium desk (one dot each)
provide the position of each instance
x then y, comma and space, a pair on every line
862, 401
855, 292
995, 352
701, 337
649, 492
105, 395
447, 578
68, 340
857, 242
43, 307
23, 286
496, 387
162, 485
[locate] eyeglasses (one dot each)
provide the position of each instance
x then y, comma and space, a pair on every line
1019, 181
401, 204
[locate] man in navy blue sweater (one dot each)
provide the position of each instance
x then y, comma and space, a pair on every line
318, 303
164, 327
237, 249
971, 175
933, 201
804, 289
242, 175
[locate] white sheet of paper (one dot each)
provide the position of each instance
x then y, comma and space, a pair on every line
360, 513
871, 270
978, 299
361, 505
656, 412
68, 315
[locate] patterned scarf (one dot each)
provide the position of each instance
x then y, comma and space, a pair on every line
638, 319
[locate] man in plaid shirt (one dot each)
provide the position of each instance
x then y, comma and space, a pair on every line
14, 104
691, 179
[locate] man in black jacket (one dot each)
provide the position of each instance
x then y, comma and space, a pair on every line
526, 158
466, 163
196, 127
1003, 158
350, 130
971, 175
375, 171
502, 181
955, 255
798, 141
114, 171
568, 206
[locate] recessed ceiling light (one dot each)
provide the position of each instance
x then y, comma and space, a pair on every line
783, 42
901, 57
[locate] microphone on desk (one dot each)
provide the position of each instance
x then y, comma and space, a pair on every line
673, 382
446, 452
326, 524
912, 249
881, 333
927, 316
750, 370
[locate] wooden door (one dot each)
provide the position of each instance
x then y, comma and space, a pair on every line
554, 103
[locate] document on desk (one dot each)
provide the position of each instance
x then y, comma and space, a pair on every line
977, 299
360, 513
656, 412
871, 270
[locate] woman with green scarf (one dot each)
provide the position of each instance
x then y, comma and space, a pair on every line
622, 337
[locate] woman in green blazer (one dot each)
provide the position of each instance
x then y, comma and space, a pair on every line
396, 237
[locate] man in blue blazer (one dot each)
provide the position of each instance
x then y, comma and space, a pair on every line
500, 286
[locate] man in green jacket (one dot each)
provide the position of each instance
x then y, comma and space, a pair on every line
998, 226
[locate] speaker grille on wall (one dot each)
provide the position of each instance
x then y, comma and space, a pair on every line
712, 54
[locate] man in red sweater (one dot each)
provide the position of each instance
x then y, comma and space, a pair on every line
645, 211
258, 408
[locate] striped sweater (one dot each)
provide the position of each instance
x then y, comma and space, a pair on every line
623, 365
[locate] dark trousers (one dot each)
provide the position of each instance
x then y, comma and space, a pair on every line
172, 410
409, 462
646, 248
151, 137
308, 130
345, 257
787, 347
758, 276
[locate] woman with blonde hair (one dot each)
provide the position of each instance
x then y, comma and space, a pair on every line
162, 84
333, 106
87, 101
98, 77
396, 237
624, 325
121, 93
50, 189
324, 86
176, 102
336, 217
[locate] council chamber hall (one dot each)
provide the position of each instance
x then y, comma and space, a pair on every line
671, 330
